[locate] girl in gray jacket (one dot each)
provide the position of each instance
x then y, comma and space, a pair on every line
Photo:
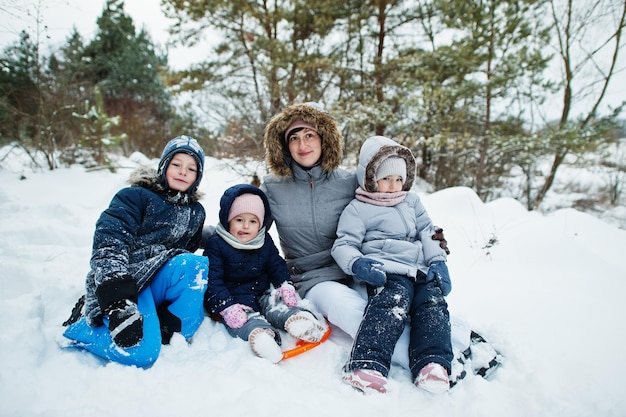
384, 240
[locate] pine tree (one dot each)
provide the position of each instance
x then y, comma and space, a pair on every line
126, 67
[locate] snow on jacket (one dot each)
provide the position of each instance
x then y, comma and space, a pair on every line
306, 203
398, 236
144, 226
241, 275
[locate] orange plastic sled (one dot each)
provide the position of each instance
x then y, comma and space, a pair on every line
302, 346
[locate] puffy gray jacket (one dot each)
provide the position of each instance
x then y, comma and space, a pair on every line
398, 236
306, 209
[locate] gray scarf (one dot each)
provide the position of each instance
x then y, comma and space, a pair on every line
255, 243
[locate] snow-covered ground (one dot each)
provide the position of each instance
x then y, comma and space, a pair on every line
546, 290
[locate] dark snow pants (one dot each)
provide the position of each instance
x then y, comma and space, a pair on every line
403, 300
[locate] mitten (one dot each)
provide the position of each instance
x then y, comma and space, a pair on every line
125, 323
367, 270
236, 315
287, 293
443, 243
439, 271
117, 298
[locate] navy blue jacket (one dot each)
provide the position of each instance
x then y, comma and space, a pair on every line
143, 227
241, 275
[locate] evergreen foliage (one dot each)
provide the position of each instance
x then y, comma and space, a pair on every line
464, 84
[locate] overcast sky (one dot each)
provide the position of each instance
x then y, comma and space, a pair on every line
61, 15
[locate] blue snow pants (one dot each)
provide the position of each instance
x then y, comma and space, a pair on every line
403, 300
180, 283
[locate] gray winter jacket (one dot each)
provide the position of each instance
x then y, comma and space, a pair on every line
306, 203
306, 209
398, 236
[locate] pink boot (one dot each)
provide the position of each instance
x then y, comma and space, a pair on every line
433, 378
366, 380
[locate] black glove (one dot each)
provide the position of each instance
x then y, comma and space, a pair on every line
125, 323
366, 270
443, 243
118, 300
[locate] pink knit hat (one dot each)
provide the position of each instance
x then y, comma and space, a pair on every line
247, 203
296, 125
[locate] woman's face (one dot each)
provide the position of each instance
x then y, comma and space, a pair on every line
305, 147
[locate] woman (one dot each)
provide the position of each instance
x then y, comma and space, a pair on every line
307, 192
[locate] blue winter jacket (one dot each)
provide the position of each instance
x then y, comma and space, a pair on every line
241, 275
143, 227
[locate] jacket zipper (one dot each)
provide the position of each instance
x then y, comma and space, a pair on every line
406, 226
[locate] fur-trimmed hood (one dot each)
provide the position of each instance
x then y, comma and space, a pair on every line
277, 153
148, 178
373, 152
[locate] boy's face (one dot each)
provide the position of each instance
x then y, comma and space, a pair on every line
390, 184
244, 227
182, 172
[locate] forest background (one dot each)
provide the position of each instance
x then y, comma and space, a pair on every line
497, 95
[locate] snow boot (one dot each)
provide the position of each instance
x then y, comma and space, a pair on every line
366, 380
433, 378
485, 359
458, 371
304, 326
77, 312
263, 344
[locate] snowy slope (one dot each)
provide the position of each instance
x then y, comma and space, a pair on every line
545, 290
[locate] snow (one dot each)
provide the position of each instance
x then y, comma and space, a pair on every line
545, 290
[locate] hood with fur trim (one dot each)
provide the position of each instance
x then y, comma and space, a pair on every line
148, 178
277, 154
373, 152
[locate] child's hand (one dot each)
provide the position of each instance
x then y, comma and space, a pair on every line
443, 243
236, 315
367, 270
439, 270
287, 293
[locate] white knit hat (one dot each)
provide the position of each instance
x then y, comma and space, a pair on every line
393, 165
247, 203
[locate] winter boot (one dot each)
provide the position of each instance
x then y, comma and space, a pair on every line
485, 359
304, 326
366, 380
458, 371
77, 312
263, 344
433, 378
169, 323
